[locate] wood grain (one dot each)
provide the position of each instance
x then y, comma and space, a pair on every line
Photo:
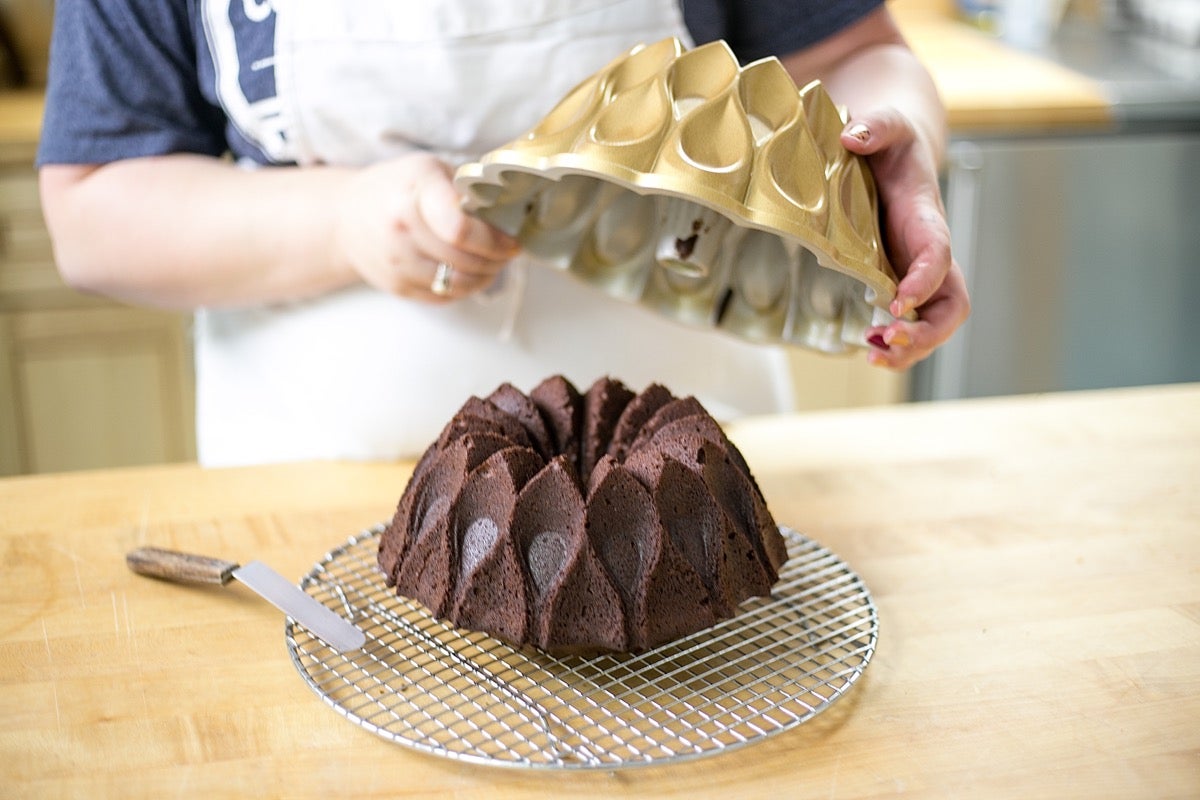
1035, 562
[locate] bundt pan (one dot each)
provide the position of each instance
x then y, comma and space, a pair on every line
717, 195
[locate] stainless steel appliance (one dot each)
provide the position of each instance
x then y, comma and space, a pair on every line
1082, 250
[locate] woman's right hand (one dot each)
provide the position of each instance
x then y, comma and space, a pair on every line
397, 220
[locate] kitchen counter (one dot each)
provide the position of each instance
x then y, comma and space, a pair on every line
1035, 562
989, 86
20, 124
1152, 83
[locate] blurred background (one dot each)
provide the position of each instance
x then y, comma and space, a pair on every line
1072, 185
1079, 235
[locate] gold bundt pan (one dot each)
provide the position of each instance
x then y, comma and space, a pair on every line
717, 195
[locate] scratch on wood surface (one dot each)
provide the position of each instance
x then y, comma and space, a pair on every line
141, 682
53, 680
57, 710
128, 623
49, 655
79, 584
833, 779
75, 561
143, 522
184, 780
116, 616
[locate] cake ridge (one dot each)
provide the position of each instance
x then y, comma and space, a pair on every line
655, 562
562, 577
488, 580
562, 407
603, 405
514, 402
635, 415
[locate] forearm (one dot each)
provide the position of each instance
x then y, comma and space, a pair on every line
184, 231
870, 67
897, 122
889, 75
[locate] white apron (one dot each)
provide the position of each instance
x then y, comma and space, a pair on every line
360, 374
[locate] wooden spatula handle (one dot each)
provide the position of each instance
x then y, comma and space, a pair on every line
175, 566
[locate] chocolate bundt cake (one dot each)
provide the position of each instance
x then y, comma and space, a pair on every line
609, 521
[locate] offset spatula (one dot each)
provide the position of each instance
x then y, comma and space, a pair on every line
284, 595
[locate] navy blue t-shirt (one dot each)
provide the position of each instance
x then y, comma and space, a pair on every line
131, 78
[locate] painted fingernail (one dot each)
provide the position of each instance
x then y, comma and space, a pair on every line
897, 338
859, 131
877, 340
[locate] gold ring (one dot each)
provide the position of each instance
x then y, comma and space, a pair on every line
441, 279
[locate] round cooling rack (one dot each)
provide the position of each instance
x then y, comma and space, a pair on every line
441, 690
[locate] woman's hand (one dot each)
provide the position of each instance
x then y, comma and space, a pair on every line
898, 122
241, 237
918, 240
398, 220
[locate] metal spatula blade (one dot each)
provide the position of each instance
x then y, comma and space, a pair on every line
322, 622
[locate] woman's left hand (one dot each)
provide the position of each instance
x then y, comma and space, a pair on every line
918, 238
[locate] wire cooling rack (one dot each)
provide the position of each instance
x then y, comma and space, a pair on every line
429, 686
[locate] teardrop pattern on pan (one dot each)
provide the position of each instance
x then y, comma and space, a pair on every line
673, 126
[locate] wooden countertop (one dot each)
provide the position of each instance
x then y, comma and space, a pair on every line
990, 87
1035, 562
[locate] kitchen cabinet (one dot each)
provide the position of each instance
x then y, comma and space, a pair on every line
844, 381
93, 387
84, 382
